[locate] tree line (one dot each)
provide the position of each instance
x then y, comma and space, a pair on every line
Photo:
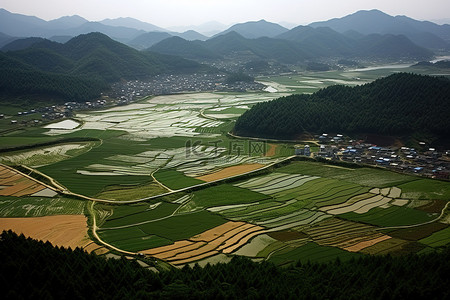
32, 269
398, 104
58, 87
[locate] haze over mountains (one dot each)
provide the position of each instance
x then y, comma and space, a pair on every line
45, 46
128, 29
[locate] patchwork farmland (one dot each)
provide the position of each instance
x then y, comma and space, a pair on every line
162, 181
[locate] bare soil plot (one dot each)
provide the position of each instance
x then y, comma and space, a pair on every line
230, 171
62, 230
19, 186
188, 249
20, 189
13, 177
199, 247
361, 245
30, 190
224, 238
16, 184
272, 150
215, 232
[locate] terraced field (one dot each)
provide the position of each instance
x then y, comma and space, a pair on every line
302, 210
392, 216
40, 206
310, 252
16, 184
346, 235
437, 239
221, 239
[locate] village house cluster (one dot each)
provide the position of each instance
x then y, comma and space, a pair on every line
46, 114
428, 162
172, 84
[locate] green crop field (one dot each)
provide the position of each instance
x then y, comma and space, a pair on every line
168, 137
393, 216
437, 239
225, 194
175, 180
310, 252
131, 192
132, 239
127, 216
67, 171
40, 206
426, 189
183, 226
371, 177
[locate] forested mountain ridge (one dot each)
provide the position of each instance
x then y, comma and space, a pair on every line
86, 64
32, 269
187, 49
398, 104
253, 30
422, 33
97, 54
300, 44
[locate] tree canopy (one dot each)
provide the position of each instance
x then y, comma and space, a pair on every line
32, 269
82, 68
398, 104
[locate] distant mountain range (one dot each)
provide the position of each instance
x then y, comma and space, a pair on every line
72, 58
126, 30
364, 35
208, 29
422, 33
298, 45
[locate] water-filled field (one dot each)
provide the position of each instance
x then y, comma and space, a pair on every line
221, 196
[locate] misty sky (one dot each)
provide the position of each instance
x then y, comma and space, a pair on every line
166, 13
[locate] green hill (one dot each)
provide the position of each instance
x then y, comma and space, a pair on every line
86, 63
181, 47
395, 105
256, 29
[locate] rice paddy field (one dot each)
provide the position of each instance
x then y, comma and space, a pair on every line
161, 179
